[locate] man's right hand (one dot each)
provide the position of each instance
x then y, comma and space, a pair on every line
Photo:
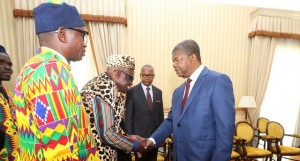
147, 145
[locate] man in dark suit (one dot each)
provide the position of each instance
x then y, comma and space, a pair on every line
202, 116
144, 110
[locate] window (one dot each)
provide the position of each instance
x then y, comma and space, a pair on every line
282, 98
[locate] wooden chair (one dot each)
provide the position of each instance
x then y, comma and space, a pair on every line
245, 132
235, 155
276, 132
166, 153
261, 130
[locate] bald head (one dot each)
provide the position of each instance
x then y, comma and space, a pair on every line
147, 75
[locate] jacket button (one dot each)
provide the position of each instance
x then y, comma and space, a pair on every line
178, 125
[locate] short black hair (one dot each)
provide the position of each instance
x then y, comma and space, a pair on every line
189, 47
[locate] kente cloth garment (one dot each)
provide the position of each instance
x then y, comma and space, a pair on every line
109, 135
51, 120
7, 124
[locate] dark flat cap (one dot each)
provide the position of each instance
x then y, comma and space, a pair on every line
2, 49
50, 16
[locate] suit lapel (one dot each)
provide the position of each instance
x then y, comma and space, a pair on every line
178, 96
154, 95
195, 88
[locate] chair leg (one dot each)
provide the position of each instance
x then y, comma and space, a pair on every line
278, 158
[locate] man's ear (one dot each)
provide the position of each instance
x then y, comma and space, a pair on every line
194, 58
62, 34
117, 73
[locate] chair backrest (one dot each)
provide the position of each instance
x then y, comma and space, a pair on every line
244, 130
262, 124
275, 129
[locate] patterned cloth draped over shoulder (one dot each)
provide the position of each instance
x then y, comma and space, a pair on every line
7, 125
51, 120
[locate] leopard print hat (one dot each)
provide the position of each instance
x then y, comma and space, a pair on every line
120, 61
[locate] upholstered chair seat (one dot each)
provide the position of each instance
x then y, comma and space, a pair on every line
287, 150
255, 152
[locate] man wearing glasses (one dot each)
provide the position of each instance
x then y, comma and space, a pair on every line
104, 100
144, 110
51, 121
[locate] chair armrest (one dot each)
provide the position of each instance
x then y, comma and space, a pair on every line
235, 138
293, 135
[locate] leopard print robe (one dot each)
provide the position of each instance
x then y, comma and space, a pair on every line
104, 87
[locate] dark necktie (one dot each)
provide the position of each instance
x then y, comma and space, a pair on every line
2, 90
186, 93
149, 99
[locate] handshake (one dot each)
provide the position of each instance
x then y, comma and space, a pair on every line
145, 144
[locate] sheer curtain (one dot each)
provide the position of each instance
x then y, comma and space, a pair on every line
105, 20
296, 142
281, 102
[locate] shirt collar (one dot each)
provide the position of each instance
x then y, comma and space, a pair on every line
58, 54
145, 87
196, 73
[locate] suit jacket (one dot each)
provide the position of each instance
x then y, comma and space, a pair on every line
139, 120
204, 130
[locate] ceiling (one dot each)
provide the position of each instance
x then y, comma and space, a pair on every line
293, 5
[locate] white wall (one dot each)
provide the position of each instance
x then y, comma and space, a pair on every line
156, 26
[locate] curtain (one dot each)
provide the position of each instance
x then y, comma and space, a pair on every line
107, 40
296, 141
27, 41
105, 20
266, 27
261, 57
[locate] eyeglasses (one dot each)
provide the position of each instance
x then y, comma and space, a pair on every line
147, 75
84, 34
130, 77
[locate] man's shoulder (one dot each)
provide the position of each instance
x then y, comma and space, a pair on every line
155, 87
138, 86
38, 65
215, 74
97, 83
